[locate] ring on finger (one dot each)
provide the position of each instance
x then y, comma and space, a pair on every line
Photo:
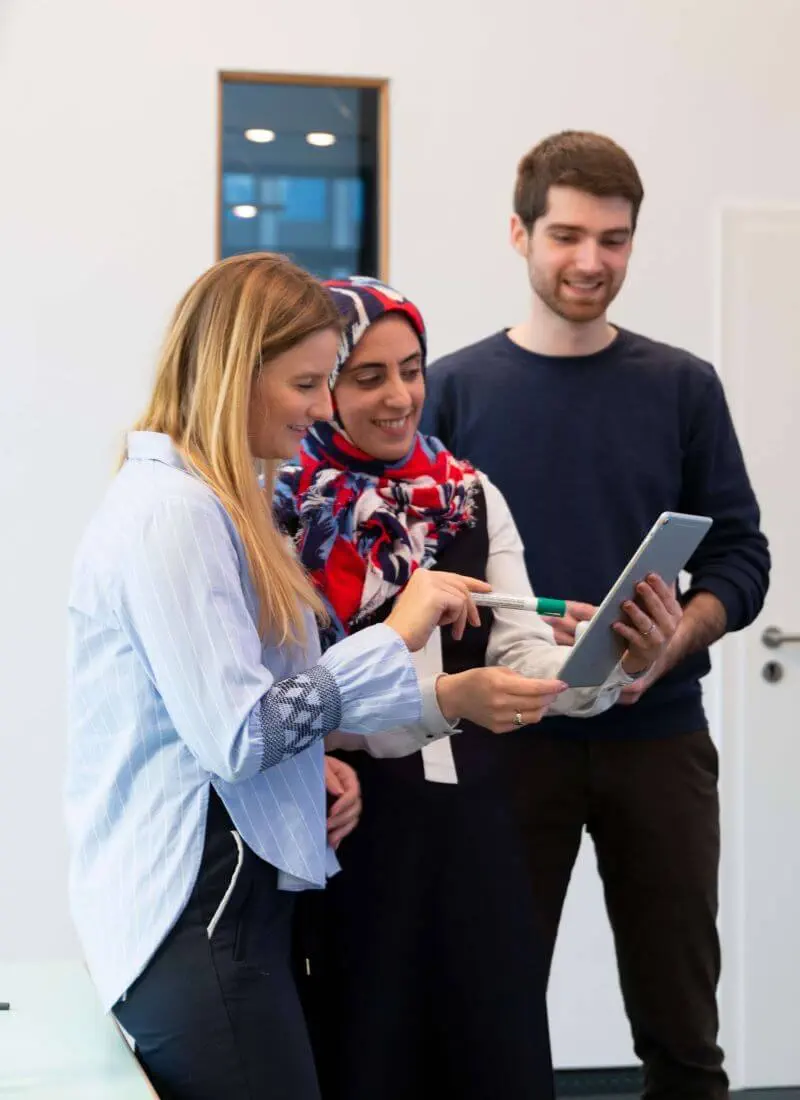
645, 633
518, 719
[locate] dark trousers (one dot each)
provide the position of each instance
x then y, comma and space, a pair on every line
425, 982
652, 810
219, 1018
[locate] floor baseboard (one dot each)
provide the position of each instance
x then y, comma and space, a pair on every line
626, 1082
614, 1081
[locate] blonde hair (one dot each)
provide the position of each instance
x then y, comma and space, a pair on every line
243, 312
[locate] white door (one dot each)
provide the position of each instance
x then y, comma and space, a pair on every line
759, 331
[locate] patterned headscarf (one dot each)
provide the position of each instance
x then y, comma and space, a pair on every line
361, 301
361, 526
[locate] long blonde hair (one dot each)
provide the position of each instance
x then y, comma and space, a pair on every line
243, 312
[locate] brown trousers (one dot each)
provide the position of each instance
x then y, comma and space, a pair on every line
652, 810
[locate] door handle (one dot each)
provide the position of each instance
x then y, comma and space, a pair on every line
773, 637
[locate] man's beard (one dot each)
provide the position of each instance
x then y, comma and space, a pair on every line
573, 309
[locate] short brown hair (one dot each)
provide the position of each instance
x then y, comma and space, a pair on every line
580, 159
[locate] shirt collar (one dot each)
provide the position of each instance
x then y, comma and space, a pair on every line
155, 446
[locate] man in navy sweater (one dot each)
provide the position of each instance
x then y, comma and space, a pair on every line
591, 432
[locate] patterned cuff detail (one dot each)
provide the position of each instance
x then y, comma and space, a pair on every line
296, 712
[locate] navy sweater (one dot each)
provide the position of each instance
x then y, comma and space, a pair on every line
588, 451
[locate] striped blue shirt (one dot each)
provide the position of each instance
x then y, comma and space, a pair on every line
171, 689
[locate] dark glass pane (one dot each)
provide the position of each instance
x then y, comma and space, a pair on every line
238, 187
241, 234
306, 199
317, 203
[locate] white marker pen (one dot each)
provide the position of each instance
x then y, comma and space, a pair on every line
556, 608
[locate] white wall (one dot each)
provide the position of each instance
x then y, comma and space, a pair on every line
107, 191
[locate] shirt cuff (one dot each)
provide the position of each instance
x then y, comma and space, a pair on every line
620, 677
377, 681
433, 725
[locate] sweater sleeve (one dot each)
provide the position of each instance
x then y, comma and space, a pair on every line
733, 560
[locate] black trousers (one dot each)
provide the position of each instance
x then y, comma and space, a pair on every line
652, 810
217, 1017
425, 982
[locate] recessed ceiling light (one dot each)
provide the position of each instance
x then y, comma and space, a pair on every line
321, 138
260, 137
244, 211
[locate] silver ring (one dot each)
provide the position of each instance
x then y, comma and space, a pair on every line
644, 633
518, 719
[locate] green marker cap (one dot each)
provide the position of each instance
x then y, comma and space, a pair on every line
558, 608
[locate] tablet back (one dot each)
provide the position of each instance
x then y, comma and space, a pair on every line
665, 550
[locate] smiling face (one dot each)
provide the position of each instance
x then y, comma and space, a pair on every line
577, 252
381, 389
289, 394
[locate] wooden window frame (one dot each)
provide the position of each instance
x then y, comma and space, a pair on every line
316, 80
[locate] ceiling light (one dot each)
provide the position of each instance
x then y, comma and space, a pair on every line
244, 211
320, 138
260, 137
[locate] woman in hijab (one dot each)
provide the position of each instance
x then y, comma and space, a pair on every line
423, 978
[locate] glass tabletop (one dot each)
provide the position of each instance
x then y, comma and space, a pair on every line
56, 1042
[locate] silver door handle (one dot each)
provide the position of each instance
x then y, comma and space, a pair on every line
773, 637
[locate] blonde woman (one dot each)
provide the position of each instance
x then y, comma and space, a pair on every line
195, 791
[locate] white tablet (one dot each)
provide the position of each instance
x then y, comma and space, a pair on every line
672, 540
